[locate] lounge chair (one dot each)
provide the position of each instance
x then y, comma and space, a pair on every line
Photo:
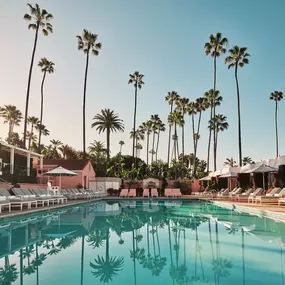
20, 195
168, 192
132, 193
16, 201
31, 196
273, 198
243, 195
224, 194
4, 203
177, 192
234, 192
43, 195
154, 192
146, 192
252, 196
124, 193
280, 201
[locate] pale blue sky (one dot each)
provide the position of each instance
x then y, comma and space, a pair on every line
162, 39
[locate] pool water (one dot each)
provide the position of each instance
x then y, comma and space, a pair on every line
138, 243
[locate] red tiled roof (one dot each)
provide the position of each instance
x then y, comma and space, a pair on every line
70, 164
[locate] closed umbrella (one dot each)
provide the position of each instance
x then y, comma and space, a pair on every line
206, 178
60, 171
263, 168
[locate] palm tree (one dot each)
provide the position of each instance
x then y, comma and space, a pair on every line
121, 143
46, 67
219, 122
9, 273
39, 20
88, 42
137, 80
97, 148
238, 57
174, 119
182, 107
192, 110
161, 128
44, 132
276, 96
109, 267
12, 116
146, 127
171, 98
155, 121
215, 48
138, 149
214, 99
32, 138
110, 122
33, 121
230, 162
247, 160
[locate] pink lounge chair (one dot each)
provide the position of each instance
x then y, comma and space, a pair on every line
132, 193
154, 192
177, 192
124, 193
145, 192
168, 192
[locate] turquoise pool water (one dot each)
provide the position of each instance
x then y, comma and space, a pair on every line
140, 243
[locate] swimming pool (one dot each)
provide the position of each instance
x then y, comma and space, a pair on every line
143, 242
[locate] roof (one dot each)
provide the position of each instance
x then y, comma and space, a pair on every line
70, 164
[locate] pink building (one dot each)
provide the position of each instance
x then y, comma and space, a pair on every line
83, 169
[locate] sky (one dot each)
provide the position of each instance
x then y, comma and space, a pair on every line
162, 39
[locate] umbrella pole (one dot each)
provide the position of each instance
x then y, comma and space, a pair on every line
263, 181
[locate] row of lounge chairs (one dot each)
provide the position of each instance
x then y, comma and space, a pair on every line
153, 193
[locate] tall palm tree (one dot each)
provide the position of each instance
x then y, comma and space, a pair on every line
12, 116
174, 119
32, 138
219, 122
39, 20
276, 96
238, 57
110, 122
171, 98
247, 160
137, 80
33, 121
46, 67
121, 143
192, 111
182, 107
161, 128
155, 121
215, 48
44, 132
147, 127
214, 99
230, 162
88, 42
201, 105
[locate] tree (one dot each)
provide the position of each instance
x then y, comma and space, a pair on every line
276, 96
39, 20
12, 116
110, 122
137, 80
215, 48
171, 98
230, 162
33, 121
97, 148
46, 67
88, 42
214, 99
182, 107
247, 160
219, 122
32, 138
192, 110
15, 140
146, 127
155, 122
67, 151
174, 119
238, 57
161, 128
121, 143
44, 132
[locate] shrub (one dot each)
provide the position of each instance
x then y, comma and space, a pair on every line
79, 186
184, 187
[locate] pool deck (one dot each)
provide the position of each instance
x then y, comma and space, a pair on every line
269, 210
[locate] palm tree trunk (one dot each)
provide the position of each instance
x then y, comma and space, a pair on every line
276, 127
21, 267
175, 141
214, 112
153, 141
29, 85
147, 148
196, 141
108, 144
10, 132
82, 260
84, 104
135, 115
37, 257
216, 142
42, 110
239, 118
120, 149
30, 138
209, 142
169, 138
157, 143
183, 140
